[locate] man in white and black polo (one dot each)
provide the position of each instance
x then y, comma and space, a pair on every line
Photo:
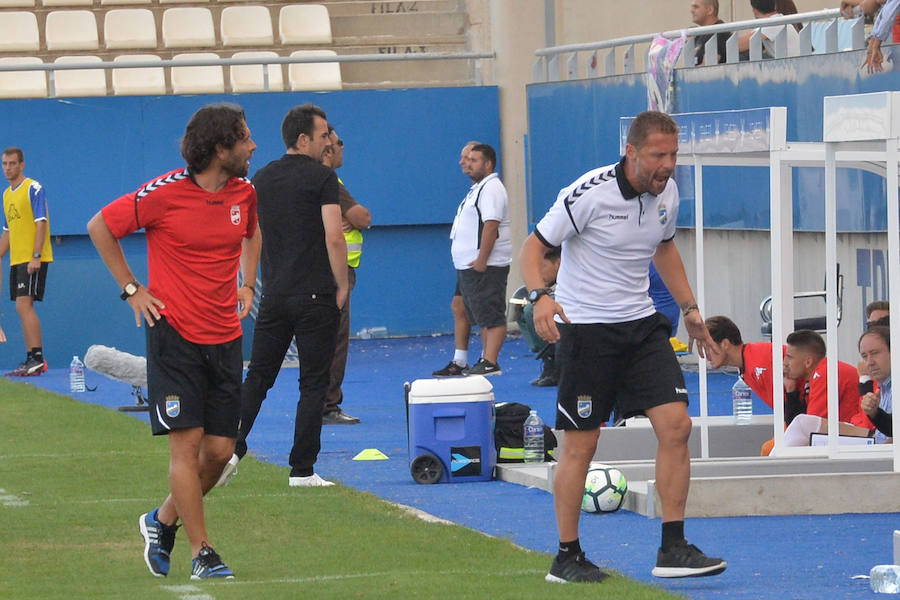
613, 347
482, 250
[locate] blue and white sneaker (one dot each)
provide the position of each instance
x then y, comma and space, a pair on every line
159, 540
208, 564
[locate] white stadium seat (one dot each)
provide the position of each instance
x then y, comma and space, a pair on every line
22, 84
304, 24
129, 28
71, 30
16, 3
249, 78
67, 2
19, 31
315, 76
108, 2
79, 82
197, 80
183, 1
246, 26
139, 81
189, 27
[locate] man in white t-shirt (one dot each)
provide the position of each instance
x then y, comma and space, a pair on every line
612, 345
481, 251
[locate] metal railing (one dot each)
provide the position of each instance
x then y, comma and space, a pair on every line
547, 67
262, 60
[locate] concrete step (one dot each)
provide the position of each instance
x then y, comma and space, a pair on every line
356, 8
402, 29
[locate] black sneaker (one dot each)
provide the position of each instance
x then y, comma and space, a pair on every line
485, 367
686, 560
451, 370
34, 366
338, 417
208, 565
577, 569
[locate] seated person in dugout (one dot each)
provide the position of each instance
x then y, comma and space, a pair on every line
806, 408
545, 350
877, 406
876, 314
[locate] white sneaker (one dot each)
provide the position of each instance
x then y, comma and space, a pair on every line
229, 471
312, 481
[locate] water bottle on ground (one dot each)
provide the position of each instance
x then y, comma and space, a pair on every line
368, 333
76, 375
885, 579
742, 401
533, 437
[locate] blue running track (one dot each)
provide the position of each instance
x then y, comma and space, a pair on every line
799, 557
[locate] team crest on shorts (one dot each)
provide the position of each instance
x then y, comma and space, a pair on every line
235, 214
663, 215
585, 406
173, 406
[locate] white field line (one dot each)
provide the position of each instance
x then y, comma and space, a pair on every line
58, 455
346, 576
187, 592
150, 500
12, 500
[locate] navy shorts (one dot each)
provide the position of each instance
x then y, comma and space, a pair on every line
627, 367
192, 385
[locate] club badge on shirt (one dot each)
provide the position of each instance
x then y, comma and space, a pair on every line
235, 214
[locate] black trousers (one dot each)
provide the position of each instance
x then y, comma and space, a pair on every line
313, 323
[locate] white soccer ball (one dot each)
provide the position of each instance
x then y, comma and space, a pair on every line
604, 489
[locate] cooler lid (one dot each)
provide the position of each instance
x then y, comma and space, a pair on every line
455, 386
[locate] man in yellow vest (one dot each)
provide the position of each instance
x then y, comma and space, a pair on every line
26, 236
356, 217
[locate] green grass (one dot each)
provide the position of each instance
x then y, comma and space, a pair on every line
87, 473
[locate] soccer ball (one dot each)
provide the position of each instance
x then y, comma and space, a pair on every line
604, 489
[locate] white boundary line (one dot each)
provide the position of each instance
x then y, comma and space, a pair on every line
56, 455
346, 576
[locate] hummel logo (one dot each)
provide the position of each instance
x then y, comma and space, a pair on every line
679, 390
759, 371
618, 217
816, 375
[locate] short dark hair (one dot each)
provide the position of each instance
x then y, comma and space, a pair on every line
881, 331
873, 306
650, 121
488, 152
299, 119
884, 321
17, 151
213, 125
763, 6
808, 341
722, 328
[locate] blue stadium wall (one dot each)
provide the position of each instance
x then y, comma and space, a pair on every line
401, 153
573, 127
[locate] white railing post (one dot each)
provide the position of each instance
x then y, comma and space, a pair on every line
572, 67
628, 60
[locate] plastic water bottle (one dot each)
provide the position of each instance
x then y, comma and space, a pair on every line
742, 401
885, 579
367, 333
533, 437
76, 375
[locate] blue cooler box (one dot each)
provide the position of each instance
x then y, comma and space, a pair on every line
451, 430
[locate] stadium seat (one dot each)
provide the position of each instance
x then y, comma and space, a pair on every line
67, 2
22, 84
19, 31
71, 30
249, 78
246, 26
189, 27
315, 76
108, 2
80, 82
197, 80
16, 3
129, 28
139, 81
183, 1
304, 24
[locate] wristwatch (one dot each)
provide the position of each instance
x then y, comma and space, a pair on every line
129, 290
535, 294
36, 255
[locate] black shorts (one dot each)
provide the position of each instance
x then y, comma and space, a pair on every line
23, 283
484, 295
629, 367
192, 385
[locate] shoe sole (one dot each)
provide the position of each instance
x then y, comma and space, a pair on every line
488, 374
198, 578
554, 579
143, 527
228, 473
675, 572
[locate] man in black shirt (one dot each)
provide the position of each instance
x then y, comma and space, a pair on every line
703, 13
304, 275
